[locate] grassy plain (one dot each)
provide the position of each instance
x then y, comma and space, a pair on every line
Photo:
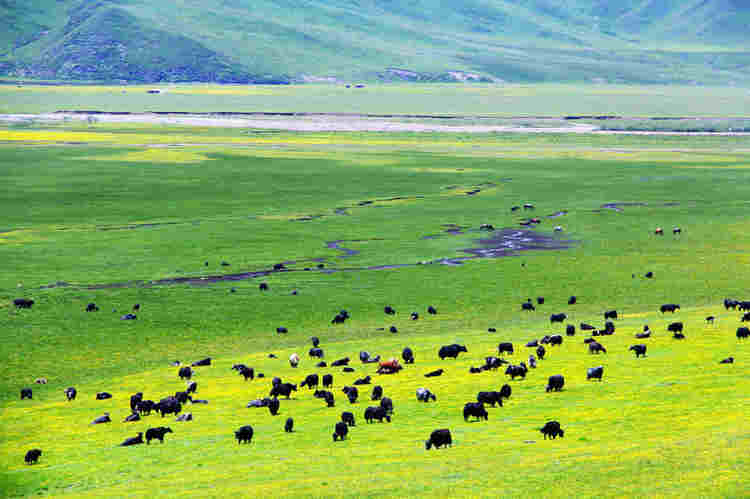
438, 99
101, 211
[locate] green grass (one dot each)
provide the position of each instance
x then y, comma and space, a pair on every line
672, 424
462, 100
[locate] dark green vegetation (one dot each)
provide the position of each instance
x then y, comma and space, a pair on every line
89, 208
644, 41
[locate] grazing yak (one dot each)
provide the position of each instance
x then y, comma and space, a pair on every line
145, 407
363, 381
340, 362
284, 389
91, 307
476, 410
610, 314
348, 418
102, 419
389, 310
273, 407
185, 373
316, 352
32, 456
133, 440
431, 310
433, 374
742, 333
23, 303
646, 334
609, 328
246, 372
557, 318
134, 400
129, 317
505, 391
327, 380
570, 330
669, 307
192, 387
451, 351
596, 347
491, 398
188, 416
182, 397
675, 327
532, 343
572, 300
311, 381
377, 392
103, 396
528, 306
379, 413
492, 363
340, 431
640, 350
439, 438
519, 370
555, 339
352, 393
321, 364
594, 373
157, 433
505, 347
728, 360
289, 425
70, 393
649, 275
41, 381
393, 329
202, 362
315, 341
491, 330
729, 303
586, 327
282, 330
26, 393
541, 352
552, 429
387, 404
244, 434
408, 355
745, 317
338, 319
555, 383
168, 405
424, 395
532, 361
348, 369
414, 316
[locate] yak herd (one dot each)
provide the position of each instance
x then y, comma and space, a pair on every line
384, 410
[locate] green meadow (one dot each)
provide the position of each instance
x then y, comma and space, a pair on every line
125, 214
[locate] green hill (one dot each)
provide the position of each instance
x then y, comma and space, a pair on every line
643, 41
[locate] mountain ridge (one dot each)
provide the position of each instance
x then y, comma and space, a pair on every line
281, 41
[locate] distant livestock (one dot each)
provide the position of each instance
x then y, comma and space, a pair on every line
282, 330
408, 355
513, 371
284, 389
594, 373
387, 404
311, 381
669, 307
439, 438
431, 310
570, 330
315, 341
102, 419
389, 310
742, 333
572, 300
596, 347
541, 352
552, 429
557, 318
32, 456
340, 431
379, 413
505, 348
555, 383
728, 360
103, 396
451, 351
348, 418
70, 393
316, 352
433, 374
490, 398
185, 373
475, 410
23, 303
91, 307
528, 306
377, 392
675, 327
424, 395
137, 440
202, 362
640, 350
244, 434
157, 433
340, 362
132, 417
26, 393
273, 407
289, 425
610, 314
327, 380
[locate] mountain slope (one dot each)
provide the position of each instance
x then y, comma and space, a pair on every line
266, 40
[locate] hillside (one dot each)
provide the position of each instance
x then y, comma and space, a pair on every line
644, 41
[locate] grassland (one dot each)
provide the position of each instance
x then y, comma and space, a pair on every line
440, 99
97, 212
